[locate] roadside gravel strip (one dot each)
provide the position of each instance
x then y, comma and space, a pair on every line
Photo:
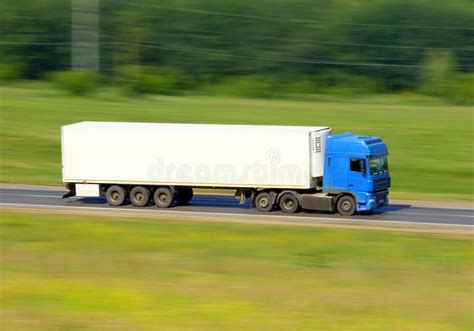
221, 208
169, 215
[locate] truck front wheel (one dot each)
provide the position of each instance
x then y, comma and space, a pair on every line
346, 205
289, 203
116, 195
264, 202
163, 197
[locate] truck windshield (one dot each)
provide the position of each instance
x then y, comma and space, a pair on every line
378, 165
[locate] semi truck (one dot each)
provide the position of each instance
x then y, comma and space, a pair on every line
290, 168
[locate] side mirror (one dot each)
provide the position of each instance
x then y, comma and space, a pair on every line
363, 167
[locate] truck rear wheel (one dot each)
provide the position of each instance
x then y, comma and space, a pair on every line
346, 205
116, 195
289, 203
163, 197
139, 196
264, 202
184, 195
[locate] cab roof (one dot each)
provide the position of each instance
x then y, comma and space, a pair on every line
349, 143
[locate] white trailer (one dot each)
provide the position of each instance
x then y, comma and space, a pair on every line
163, 162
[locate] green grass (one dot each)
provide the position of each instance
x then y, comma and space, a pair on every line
430, 143
71, 273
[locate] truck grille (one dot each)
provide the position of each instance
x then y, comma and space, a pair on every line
381, 184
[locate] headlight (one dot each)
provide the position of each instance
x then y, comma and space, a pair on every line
371, 200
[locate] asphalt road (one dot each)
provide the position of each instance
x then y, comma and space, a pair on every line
223, 206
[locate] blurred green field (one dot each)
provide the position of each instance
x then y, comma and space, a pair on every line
430, 142
72, 273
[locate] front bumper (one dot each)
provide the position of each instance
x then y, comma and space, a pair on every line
373, 200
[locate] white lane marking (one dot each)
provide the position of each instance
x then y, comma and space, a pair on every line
282, 217
79, 198
213, 201
25, 187
226, 203
412, 204
386, 211
393, 209
30, 195
405, 213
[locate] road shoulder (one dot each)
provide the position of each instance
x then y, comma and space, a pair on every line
266, 220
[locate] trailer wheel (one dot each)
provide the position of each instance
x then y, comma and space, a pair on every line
163, 197
264, 202
116, 195
140, 196
184, 195
289, 203
346, 205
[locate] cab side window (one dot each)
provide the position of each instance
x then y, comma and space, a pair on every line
355, 165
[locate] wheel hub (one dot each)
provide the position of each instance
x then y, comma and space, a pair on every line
346, 205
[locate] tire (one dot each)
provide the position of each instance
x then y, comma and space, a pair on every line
264, 202
139, 196
116, 195
184, 195
163, 197
346, 205
289, 203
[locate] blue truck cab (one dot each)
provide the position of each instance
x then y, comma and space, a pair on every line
356, 168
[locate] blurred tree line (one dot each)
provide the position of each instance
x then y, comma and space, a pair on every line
252, 47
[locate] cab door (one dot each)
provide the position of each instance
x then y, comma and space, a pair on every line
356, 180
340, 167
